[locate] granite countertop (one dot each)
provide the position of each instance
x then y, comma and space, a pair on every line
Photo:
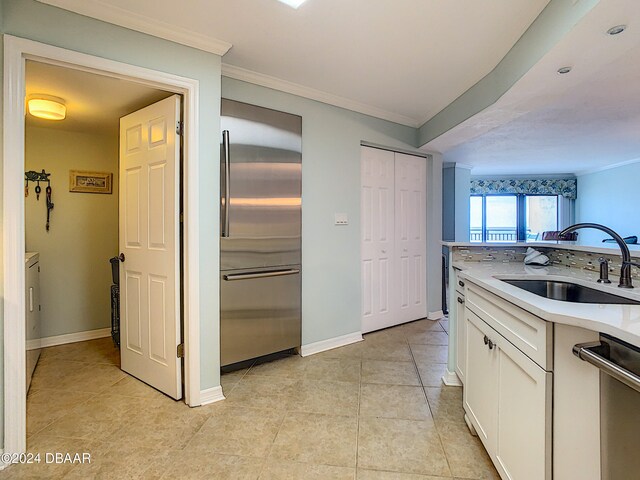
621, 321
610, 248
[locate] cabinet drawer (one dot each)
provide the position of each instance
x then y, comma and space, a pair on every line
530, 334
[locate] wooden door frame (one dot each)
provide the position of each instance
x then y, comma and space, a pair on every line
16, 52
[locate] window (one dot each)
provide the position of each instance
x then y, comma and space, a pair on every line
511, 218
541, 215
476, 214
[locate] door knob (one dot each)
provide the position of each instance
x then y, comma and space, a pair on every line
121, 257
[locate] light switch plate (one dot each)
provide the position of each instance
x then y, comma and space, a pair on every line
341, 219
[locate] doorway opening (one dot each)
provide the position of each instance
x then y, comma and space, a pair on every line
73, 300
17, 53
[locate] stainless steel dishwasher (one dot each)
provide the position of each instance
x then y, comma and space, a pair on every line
619, 364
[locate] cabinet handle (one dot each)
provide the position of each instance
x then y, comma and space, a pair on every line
488, 341
461, 283
31, 299
460, 300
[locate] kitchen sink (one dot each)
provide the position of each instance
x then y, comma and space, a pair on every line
570, 292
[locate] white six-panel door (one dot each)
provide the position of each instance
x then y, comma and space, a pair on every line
410, 230
377, 242
149, 240
393, 238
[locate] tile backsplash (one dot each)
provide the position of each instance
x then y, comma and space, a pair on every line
569, 258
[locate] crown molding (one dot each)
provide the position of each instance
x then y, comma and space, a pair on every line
239, 73
465, 166
134, 21
607, 167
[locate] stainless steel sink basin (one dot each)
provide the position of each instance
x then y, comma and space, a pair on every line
569, 292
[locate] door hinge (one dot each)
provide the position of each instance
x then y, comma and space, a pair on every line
180, 350
182, 218
179, 127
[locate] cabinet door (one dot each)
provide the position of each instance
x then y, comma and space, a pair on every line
524, 416
33, 306
461, 336
480, 389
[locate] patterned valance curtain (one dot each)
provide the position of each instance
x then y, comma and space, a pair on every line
567, 187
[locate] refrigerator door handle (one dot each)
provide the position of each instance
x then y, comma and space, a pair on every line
250, 275
227, 180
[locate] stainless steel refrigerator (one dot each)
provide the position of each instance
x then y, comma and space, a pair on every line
260, 217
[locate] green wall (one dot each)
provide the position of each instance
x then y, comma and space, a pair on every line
609, 197
75, 274
53, 26
331, 139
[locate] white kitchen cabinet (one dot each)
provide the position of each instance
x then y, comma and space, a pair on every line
507, 399
32, 314
480, 389
460, 326
523, 450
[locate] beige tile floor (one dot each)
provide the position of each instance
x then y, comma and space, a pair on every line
375, 410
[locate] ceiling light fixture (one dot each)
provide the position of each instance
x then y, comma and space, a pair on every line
616, 30
564, 70
47, 107
293, 3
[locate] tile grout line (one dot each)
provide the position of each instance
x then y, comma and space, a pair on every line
286, 412
358, 418
424, 392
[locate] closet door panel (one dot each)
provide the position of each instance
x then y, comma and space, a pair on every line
410, 212
377, 239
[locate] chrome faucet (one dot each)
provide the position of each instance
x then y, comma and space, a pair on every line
625, 269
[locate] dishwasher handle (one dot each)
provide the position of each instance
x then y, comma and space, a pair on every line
247, 276
585, 352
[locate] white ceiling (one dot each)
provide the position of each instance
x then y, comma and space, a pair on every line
94, 102
403, 60
549, 123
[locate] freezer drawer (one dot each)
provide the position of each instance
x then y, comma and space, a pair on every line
260, 312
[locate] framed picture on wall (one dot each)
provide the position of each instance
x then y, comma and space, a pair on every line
90, 182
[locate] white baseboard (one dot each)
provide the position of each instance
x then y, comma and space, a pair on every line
330, 344
472, 429
68, 338
211, 395
451, 379
437, 315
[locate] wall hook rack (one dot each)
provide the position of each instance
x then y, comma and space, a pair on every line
37, 177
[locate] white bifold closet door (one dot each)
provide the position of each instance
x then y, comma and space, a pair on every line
393, 238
